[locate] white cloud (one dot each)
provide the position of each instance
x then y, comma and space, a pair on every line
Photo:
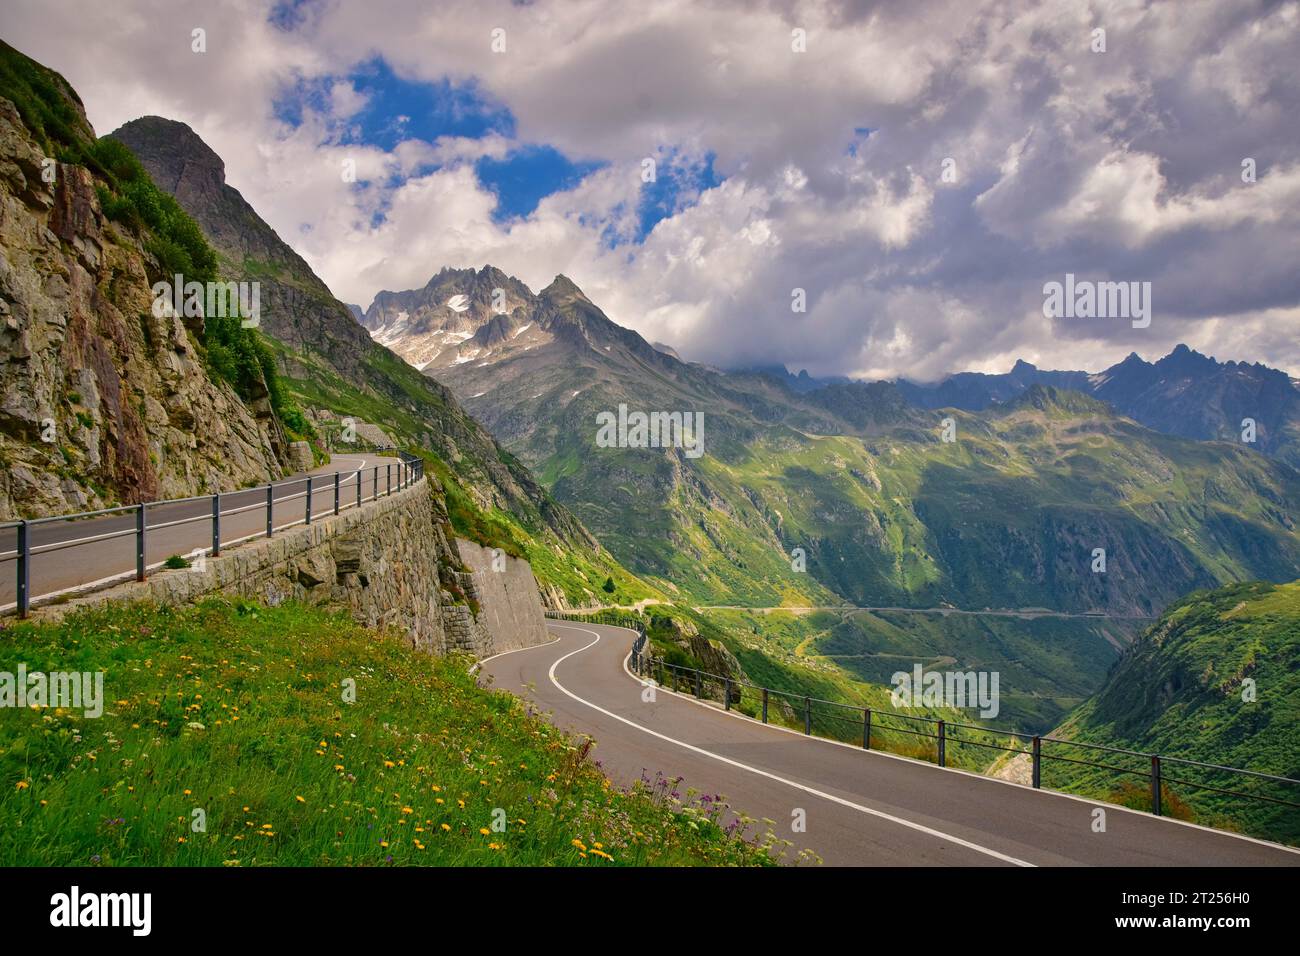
1119, 165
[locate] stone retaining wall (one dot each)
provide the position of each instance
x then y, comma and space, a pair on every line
389, 562
507, 593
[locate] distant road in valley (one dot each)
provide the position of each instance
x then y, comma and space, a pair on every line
861, 807
1023, 613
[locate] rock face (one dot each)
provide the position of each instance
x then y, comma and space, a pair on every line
101, 403
713, 657
300, 456
390, 563
505, 589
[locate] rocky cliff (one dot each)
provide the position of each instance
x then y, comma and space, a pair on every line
101, 402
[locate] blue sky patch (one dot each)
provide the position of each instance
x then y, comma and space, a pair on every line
860, 135
397, 109
679, 180
528, 175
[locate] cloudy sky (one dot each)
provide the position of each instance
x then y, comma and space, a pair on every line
796, 146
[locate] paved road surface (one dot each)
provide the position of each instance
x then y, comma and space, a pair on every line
862, 807
74, 554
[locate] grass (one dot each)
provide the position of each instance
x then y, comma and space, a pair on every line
238, 711
1216, 680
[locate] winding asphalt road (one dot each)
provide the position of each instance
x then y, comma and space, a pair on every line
75, 555
860, 807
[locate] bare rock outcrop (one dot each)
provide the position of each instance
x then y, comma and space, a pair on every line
101, 402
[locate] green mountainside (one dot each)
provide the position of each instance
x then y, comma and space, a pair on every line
1217, 680
886, 512
1046, 666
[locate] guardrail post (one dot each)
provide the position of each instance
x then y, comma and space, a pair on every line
807, 715
699, 686
216, 525
358, 487
23, 587
139, 542
1038, 762
375, 487
866, 728
942, 740
764, 705
1155, 784
270, 506
674, 670
388, 477
726, 695
336, 492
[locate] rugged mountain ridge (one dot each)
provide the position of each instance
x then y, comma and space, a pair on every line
1184, 393
884, 510
103, 402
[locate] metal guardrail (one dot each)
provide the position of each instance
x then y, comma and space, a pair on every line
614, 618
944, 733
396, 476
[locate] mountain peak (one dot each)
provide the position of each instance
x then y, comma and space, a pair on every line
562, 287
1049, 398
1132, 359
161, 142
1187, 361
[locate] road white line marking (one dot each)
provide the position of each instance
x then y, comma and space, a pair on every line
1061, 794
478, 664
764, 773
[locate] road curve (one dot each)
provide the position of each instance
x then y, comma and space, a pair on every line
861, 807
72, 555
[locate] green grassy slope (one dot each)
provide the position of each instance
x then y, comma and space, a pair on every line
1179, 690
237, 710
886, 512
